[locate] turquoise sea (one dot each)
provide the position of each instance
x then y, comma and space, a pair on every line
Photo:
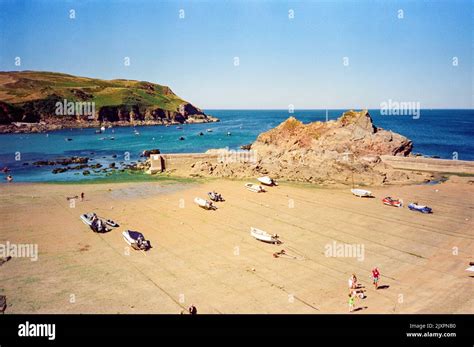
440, 133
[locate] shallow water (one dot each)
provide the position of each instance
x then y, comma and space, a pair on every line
442, 133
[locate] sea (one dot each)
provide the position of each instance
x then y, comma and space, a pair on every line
446, 134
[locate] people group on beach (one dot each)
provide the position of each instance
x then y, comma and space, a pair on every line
354, 286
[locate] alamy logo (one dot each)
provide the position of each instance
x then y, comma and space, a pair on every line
345, 250
400, 108
37, 330
71, 108
19, 250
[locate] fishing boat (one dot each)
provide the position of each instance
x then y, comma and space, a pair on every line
209, 130
392, 202
254, 187
205, 204
263, 235
136, 240
419, 208
362, 193
267, 181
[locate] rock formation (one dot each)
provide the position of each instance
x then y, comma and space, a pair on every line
339, 151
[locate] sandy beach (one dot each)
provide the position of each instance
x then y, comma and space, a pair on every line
209, 259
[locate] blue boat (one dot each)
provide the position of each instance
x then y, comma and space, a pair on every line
420, 208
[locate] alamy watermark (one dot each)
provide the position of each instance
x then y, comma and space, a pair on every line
75, 108
19, 250
345, 250
400, 108
232, 156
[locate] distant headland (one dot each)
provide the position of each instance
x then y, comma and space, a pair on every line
33, 101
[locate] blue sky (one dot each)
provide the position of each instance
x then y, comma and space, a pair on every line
283, 61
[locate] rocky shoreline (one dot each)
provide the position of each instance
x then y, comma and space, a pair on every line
47, 126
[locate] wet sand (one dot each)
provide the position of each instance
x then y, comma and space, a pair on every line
209, 259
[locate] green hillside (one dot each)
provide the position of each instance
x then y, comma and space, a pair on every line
31, 96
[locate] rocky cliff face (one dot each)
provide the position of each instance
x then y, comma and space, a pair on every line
322, 152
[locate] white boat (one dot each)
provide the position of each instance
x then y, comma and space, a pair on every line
136, 240
95, 223
102, 129
206, 204
87, 218
470, 268
361, 192
263, 235
209, 130
267, 181
254, 187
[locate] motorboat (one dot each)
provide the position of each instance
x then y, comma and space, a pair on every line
263, 235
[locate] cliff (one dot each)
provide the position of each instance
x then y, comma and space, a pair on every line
33, 97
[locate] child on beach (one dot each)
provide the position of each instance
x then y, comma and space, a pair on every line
351, 302
375, 276
352, 283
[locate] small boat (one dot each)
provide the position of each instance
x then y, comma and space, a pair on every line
206, 204
181, 138
136, 240
263, 235
361, 192
111, 223
267, 181
201, 134
136, 132
209, 130
254, 187
470, 268
420, 208
179, 128
392, 202
95, 223
102, 129
229, 133
214, 196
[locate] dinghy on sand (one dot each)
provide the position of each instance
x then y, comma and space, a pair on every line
206, 204
214, 196
95, 223
136, 240
392, 202
267, 181
362, 193
263, 235
254, 187
420, 208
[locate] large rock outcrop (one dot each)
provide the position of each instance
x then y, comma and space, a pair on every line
321, 152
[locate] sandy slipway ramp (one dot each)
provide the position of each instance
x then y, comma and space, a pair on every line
322, 152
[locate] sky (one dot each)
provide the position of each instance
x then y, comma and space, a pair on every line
255, 54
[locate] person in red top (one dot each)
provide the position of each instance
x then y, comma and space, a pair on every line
375, 276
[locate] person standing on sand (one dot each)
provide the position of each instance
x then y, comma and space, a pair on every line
82, 196
375, 277
9, 178
351, 302
192, 310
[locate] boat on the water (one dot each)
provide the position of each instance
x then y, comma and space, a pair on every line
209, 130
205, 204
263, 235
392, 202
254, 187
267, 181
136, 240
362, 193
419, 208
